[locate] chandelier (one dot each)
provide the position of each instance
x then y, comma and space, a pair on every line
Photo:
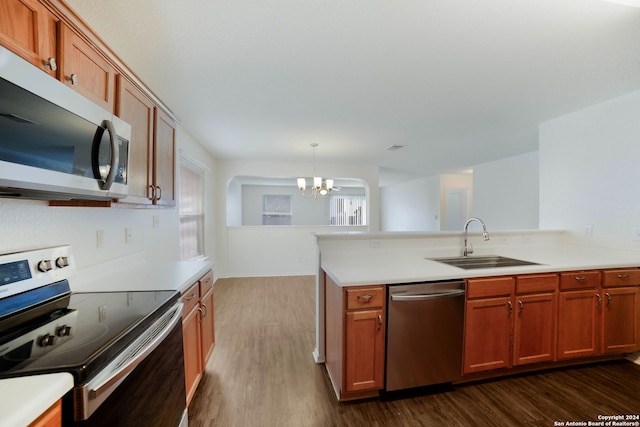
320, 187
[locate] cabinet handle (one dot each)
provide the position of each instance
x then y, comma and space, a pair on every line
623, 276
159, 192
581, 278
151, 192
73, 78
379, 321
366, 298
599, 299
206, 311
51, 63
191, 297
608, 298
521, 306
510, 307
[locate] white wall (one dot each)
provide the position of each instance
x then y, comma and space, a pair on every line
589, 171
506, 192
411, 206
267, 251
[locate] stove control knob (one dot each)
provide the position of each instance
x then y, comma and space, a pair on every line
63, 331
44, 265
62, 262
46, 340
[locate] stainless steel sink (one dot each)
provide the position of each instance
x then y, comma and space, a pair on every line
489, 261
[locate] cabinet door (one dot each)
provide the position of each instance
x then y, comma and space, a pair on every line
192, 352
51, 418
620, 320
85, 70
364, 356
164, 170
135, 108
578, 323
28, 29
487, 334
535, 331
207, 326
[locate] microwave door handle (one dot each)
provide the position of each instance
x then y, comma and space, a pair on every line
115, 155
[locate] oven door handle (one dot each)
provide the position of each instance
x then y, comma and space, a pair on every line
136, 353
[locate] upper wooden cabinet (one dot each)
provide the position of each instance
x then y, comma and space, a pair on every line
135, 108
29, 29
85, 69
164, 156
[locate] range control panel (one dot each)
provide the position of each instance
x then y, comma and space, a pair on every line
23, 271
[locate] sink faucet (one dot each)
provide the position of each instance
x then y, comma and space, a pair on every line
468, 248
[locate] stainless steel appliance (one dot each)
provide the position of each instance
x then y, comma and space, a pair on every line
124, 349
425, 324
55, 143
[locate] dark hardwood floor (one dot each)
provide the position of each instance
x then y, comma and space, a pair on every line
262, 373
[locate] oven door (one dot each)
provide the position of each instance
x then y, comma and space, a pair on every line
143, 386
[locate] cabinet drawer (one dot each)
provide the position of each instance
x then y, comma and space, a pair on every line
491, 287
363, 298
206, 283
580, 280
190, 298
536, 283
623, 277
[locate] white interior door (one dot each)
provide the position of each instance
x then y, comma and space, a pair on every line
456, 205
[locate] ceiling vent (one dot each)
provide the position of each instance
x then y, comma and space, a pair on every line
395, 147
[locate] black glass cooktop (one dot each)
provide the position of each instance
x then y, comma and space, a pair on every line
79, 333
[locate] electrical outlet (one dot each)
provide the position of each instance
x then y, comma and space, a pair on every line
99, 238
588, 230
635, 234
375, 243
128, 235
156, 221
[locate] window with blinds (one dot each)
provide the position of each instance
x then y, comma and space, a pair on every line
347, 209
276, 209
191, 210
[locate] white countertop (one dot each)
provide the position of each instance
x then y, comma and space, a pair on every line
407, 265
24, 399
139, 275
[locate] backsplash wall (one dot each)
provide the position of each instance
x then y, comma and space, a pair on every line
28, 224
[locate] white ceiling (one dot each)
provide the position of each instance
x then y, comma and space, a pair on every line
457, 82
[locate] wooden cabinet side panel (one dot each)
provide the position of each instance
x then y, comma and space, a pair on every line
487, 334
535, 328
578, 328
334, 325
164, 170
620, 320
135, 108
364, 364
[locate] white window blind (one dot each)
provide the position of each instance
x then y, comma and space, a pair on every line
191, 210
276, 209
347, 209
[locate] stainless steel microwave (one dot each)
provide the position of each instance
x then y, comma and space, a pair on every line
55, 144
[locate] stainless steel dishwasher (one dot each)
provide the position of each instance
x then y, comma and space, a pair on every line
424, 334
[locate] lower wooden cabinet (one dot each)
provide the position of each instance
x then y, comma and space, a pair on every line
509, 321
198, 332
355, 339
620, 320
578, 321
52, 417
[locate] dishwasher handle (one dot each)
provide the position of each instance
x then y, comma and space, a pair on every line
429, 295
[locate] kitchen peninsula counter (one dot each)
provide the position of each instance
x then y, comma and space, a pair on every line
385, 261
